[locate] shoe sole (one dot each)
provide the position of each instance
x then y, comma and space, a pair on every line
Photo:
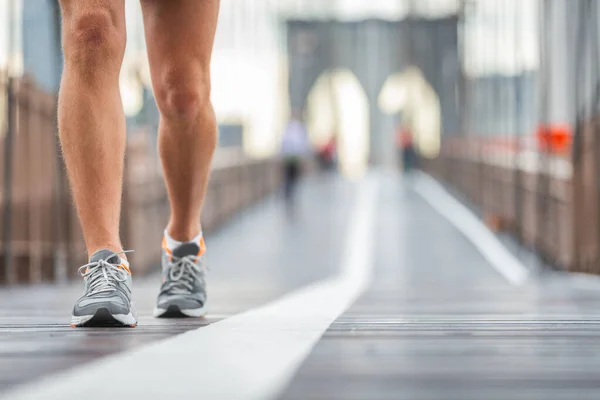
104, 318
174, 311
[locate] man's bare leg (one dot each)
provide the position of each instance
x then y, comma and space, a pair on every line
179, 36
90, 115
92, 135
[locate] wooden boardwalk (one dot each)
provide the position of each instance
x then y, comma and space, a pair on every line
437, 322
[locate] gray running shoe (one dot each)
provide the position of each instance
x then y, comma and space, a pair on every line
183, 290
107, 294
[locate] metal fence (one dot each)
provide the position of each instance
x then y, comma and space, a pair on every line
586, 144
527, 155
35, 216
41, 237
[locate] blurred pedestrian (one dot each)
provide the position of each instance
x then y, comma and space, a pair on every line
179, 37
406, 149
294, 148
328, 154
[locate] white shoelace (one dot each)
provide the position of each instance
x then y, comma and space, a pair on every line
103, 276
182, 274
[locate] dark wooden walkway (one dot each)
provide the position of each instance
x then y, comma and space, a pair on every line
438, 322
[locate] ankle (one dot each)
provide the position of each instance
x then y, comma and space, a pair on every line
116, 248
170, 244
184, 233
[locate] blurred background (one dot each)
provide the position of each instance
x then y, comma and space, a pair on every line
497, 98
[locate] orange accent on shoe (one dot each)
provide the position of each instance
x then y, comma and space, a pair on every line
125, 267
165, 247
73, 326
202, 247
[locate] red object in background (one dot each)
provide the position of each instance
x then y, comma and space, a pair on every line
328, 151
554, 138
403, 138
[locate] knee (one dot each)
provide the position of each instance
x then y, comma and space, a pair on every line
93, 41
184, 97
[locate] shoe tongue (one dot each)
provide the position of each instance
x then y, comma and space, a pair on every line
186, 249
107, 255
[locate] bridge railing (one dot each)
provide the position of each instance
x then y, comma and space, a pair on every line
43, 239
547, 201
526, 154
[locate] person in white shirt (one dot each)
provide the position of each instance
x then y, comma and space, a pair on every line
294, 147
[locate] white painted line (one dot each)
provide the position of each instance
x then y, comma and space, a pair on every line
473, 229
249, 356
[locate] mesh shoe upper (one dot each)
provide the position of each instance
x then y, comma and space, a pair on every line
183, 281
107, 284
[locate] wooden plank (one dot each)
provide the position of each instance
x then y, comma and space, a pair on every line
438, 323
246, 271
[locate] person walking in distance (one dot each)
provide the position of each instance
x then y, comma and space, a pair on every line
179, 36
294, 146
